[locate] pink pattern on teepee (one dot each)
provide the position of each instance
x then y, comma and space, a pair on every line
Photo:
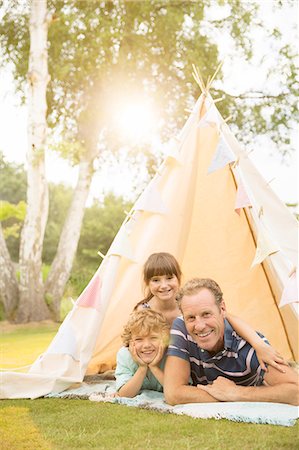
242, 198
91, 296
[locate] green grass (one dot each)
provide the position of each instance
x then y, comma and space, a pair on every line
59, 424
71, 424
21, 345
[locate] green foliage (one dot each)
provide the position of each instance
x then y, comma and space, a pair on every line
65, 307
73, 151
60, 197
100, 225
13, 182
12, 218
8, 210
13, 187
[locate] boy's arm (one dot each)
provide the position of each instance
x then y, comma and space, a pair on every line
133, 386
264, 352
128, 379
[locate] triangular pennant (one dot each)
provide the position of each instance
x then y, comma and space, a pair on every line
264, 247
129, 225
222, 156
121, 246
192, 120
151, 201
242, 199
211, 118
91, 296
290, 291
173, 152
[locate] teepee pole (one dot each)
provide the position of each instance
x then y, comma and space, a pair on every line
210, 81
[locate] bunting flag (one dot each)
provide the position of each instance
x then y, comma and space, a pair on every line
264, 247
91, 296
151, 201
173, 152
242, 199
192, 120
211, 118
290, 291
121, 246
222, 156
129, 225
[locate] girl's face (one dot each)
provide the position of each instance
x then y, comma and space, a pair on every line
164, 287
147, 346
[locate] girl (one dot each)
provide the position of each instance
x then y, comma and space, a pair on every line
162, 279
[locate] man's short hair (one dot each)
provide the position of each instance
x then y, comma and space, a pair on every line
195, 285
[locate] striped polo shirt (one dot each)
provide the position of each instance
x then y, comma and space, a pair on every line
237, 361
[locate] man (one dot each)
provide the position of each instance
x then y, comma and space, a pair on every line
223, 366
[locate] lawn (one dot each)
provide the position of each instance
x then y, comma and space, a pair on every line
20, 345
70, 424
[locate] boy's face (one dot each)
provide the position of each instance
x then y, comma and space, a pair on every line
147, 346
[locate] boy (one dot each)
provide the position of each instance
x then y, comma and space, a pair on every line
140, 362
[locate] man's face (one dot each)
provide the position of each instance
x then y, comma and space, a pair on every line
204, 320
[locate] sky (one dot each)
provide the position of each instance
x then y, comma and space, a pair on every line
283, 177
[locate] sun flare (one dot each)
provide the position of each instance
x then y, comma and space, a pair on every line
136, 121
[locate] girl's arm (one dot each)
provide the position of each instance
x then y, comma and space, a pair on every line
264, 352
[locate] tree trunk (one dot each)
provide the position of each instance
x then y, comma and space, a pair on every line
31, 304
69, 238
9, 290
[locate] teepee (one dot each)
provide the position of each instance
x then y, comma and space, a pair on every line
210, 208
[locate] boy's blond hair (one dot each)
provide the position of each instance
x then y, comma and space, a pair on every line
144, 323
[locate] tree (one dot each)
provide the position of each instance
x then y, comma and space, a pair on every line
96, 48
31, 302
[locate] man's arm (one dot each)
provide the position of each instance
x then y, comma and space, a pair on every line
176, 379
280, 388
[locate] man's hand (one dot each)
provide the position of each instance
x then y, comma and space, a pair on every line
223, 389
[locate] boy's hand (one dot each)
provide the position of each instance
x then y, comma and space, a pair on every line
158, 357
135, 357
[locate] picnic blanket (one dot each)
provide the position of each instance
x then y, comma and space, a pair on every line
262, 413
